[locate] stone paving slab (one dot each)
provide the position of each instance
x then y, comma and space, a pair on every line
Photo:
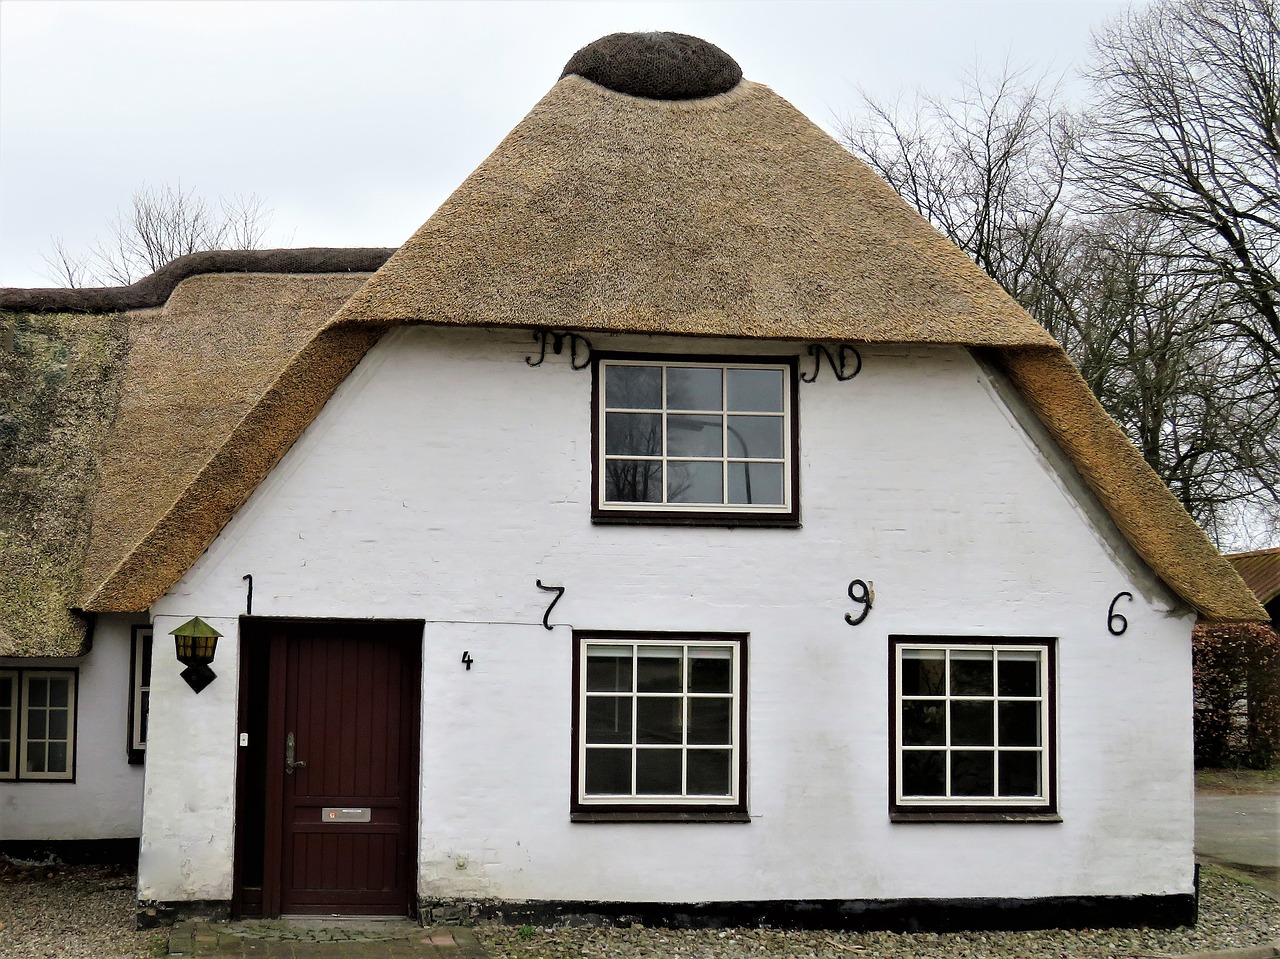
323, 939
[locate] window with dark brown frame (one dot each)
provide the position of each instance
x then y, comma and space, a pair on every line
659, 724
695, 440
139, 693
972, 728
38, 724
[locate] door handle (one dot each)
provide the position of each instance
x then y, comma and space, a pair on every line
290, 764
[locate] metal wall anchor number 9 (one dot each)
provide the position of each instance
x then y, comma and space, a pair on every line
290, 764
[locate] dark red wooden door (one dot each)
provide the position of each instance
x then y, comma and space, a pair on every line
344, 720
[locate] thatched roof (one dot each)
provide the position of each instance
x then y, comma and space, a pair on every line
721, 215
731, 215
101, 428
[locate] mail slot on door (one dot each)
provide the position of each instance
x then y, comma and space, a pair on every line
340, 814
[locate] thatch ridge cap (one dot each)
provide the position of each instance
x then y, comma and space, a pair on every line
657, 65
155, 289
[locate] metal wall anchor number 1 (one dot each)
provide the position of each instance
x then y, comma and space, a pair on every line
1117, 624
559, 591
862, 594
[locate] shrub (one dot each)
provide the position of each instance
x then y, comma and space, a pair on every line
1236, 668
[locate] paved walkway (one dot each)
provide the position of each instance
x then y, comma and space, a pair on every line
324, 938
1241, 832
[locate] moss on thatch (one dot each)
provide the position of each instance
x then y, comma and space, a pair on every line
106, 419
59, 387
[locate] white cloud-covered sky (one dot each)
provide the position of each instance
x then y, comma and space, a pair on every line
354, 120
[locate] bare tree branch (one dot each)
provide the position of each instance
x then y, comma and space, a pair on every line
162, 224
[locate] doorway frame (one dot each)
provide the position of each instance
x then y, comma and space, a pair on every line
256, 635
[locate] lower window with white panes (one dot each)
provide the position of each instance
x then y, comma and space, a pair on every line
658, 726
973, 727
37, 724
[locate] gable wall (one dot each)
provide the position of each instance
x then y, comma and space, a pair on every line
446, 475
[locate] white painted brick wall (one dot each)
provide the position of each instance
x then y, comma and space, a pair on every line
446, 476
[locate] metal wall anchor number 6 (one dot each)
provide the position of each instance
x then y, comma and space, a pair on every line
1117, 624
290, 764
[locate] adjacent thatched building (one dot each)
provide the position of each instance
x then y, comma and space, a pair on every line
675, 526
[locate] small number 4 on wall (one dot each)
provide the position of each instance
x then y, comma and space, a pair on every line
466, 658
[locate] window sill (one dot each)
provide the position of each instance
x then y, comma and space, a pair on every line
665, 518
957, 815
638, 815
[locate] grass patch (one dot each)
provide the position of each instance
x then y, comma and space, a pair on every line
1238, 780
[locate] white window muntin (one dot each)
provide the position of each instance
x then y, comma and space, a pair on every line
727, 437
688, 650
47, 725
950, 652
8, 724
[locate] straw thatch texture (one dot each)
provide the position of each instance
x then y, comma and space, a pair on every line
727, 216
199, 372
106, 420
208, 500
59, 385
1148, 515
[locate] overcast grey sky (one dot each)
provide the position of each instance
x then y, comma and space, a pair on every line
354, 120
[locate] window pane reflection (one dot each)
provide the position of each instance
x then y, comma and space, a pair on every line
633, 387
755, 391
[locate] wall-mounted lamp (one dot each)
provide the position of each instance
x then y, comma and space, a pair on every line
196, 642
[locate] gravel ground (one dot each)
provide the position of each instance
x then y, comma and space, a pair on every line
1232, 914
86, 912
71, 912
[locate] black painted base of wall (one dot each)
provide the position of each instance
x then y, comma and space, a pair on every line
77, 852
153, 913
899, 915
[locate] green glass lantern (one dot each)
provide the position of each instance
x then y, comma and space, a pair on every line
196, 642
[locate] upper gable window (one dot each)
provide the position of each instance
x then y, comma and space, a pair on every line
695, 440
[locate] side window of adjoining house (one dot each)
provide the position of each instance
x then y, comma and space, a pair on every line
37, 724
973, 726
658, 723
8, 724
139, 693
695, 441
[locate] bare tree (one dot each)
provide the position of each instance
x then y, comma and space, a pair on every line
995, 170
988, 168
64, 267
1186, 126
162, 224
